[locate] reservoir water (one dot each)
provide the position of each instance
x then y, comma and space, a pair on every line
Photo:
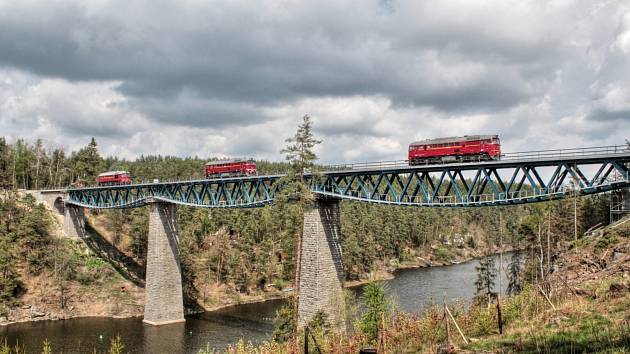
412, 290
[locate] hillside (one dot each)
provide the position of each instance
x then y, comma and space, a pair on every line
65, 278
103, 275
590, 291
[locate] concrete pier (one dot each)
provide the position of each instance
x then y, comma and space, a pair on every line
321, 271
163, 292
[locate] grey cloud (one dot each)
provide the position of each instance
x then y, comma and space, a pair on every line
602, 114
237, 55
193, 111
228, 65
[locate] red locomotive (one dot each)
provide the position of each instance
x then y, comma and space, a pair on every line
230, 168
455, 149
113, 178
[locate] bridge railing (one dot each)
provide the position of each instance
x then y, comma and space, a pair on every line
509, 156
560, 153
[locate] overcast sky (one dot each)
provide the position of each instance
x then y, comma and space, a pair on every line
234, 78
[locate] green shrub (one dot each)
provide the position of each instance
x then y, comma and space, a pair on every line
609, 238
95, 263
376, 305
443, 254
285, 323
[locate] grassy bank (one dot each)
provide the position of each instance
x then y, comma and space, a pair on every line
575, 324
582, 307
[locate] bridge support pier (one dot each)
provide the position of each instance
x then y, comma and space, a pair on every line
320, 287
163, 291
74, 221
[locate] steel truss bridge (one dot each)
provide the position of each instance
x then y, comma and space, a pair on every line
516, 179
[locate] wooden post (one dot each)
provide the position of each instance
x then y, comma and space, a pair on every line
305, 339
549, 240
546, 297
448, 329
499, 314
381, 335
568, 287
456, 325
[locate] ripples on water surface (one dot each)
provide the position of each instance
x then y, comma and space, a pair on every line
413, 289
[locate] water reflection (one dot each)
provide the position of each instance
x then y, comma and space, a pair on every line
164, 339
414, 290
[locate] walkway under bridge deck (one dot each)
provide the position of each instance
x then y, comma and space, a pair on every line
515, 179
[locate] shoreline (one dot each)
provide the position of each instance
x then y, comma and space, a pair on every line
379, 275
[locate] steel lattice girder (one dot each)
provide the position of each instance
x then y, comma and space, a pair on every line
490, 184
453, 185
218, 193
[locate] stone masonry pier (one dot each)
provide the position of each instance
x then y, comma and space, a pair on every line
163, 292
74, 221
321, 271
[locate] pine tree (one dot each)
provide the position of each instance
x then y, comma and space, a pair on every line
376, 304
514, 273
87, 163
5, 164
299, 152
486, 273
23, 159
138, 233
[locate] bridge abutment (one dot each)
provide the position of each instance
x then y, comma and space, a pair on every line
163, 291
74, 221
321, 271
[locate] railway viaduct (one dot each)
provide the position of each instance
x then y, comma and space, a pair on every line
516, 179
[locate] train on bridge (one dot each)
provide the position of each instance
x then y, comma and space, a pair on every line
231, 168
113, 178
213, 169
467, 148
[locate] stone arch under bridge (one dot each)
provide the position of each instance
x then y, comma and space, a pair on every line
74, 218
53, 198
59, 206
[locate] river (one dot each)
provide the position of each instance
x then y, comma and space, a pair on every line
412, 290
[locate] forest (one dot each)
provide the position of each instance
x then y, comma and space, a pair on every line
253, 250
